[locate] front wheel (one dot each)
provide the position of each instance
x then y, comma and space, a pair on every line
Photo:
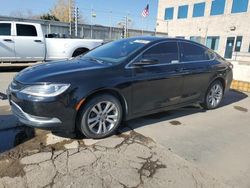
213, 96
100, 117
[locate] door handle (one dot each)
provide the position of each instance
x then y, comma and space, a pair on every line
7, 40
37, 41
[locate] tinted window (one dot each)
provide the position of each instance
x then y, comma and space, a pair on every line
217, 7
5, 29
199, 9
169, 13
183, 11
164, 52
26, 30
191, 52
239, 6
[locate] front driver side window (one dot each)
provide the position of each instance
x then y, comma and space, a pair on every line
165, 53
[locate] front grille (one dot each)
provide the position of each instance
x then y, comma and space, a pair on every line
16, 86
16, 110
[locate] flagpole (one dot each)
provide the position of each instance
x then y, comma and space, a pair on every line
142, 25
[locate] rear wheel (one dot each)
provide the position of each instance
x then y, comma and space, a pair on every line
213, 96
100, 117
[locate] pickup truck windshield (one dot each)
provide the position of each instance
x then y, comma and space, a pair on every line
115, 52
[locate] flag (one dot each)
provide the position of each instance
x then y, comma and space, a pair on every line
145, 12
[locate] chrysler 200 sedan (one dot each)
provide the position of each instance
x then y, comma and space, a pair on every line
118, 81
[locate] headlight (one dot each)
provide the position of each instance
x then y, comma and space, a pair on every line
49, 90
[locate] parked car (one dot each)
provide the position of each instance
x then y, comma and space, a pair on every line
26, 42
118, 81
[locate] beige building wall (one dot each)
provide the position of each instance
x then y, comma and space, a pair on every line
218, 25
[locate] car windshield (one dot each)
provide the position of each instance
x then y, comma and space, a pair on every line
116, 52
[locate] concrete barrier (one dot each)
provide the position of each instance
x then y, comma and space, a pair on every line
241, 76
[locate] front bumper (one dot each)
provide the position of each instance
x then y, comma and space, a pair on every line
34, 121
56, 114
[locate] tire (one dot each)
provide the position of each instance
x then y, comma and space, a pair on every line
100, 117
213, 95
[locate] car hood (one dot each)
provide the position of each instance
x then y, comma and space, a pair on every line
39, 73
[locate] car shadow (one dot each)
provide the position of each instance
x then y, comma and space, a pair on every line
12, 133
232, 96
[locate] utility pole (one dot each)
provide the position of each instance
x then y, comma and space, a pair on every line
76, 20
110, 26
71, 16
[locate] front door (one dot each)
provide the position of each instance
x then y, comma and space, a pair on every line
159, 85
229, 47
7, 48
28, 44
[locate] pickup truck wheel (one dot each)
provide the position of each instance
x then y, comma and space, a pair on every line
79, 51
100, 117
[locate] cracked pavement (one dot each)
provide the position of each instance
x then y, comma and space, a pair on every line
125, 160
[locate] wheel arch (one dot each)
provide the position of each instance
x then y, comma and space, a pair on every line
221, 79
109, 91
79, 50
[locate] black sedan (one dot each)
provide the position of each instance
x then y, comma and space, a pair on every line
119, 81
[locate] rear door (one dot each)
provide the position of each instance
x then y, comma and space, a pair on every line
29, 46
157, 86
7, 48
196, 64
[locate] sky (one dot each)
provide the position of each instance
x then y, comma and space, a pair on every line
102, 9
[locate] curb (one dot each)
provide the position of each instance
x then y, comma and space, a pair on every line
240, 85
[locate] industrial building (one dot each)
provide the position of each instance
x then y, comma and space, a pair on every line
222, 25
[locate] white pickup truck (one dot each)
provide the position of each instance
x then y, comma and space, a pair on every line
26, 42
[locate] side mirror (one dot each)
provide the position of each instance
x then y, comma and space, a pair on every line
143, 62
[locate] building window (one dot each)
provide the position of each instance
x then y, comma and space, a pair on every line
169, 13
238, 44
199, 9
218, 7
239, 6
183, 11
198, 39
213, 42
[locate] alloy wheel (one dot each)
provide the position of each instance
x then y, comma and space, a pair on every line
215, 95
102, 117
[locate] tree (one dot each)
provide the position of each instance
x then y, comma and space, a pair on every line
49, 16
61, 10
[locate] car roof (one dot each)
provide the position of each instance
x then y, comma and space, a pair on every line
158, 39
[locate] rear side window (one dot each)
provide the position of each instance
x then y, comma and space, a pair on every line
165, 52
26, 30
5, 29
191, 52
